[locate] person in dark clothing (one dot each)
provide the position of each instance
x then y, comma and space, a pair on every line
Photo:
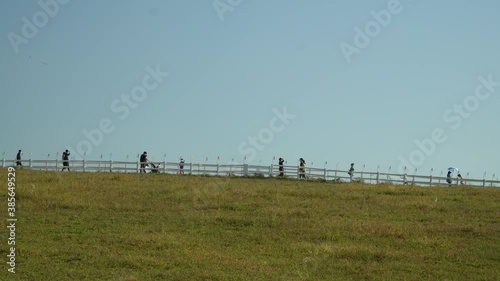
144, 161
351, 171
281, 167
181, 166
18, 158
448, 178
65, 158
302, 169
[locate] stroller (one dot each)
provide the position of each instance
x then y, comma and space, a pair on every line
154, 168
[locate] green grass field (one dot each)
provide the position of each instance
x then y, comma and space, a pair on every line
89, 226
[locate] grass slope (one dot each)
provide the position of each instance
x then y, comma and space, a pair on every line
88, 226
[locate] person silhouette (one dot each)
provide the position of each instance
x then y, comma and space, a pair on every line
302, 169
351, 171
65, 159
144, 161
281, 167
18, 158
181, 166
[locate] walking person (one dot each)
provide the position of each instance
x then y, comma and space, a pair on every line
302, 169
281, 167
65, 159
18, 158
448, 178
351, 171
144, 161
181, 166
461, 179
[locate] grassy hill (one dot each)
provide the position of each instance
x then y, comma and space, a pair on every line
88, 226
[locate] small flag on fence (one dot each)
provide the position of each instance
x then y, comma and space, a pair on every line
206, 159
31, 153
244, 158
218, 158
191, 158
48, 155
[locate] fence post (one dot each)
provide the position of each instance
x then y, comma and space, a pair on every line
378, 177
3, 163
324, 174
217, 169
271, 170
190, 168
245, 170
84, 165
430, 180
30, 163
110, 166
137, 167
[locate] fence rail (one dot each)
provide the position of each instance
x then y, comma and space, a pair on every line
245, 170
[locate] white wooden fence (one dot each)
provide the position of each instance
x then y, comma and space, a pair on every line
246, 170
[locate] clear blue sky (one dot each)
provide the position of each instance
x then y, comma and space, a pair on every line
231, 70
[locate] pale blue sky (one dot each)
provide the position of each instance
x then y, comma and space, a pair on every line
226, 77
